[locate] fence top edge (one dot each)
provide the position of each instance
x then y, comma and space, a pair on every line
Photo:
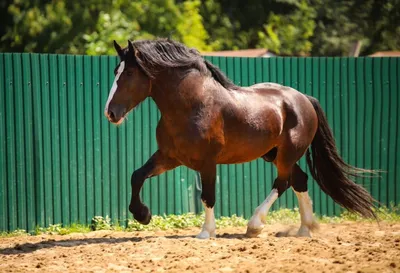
206, 56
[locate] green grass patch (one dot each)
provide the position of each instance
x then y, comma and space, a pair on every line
58, 229
387, 214
189, 220
184, 221
18, 232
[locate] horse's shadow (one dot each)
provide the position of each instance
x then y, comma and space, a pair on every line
50, 243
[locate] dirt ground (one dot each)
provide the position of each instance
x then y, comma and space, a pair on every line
350, 247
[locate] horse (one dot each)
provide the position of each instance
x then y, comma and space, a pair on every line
207, 120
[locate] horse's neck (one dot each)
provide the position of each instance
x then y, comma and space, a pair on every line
177, 98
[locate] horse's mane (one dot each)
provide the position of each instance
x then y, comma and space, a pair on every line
156, 55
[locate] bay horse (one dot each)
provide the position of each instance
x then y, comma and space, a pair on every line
207, 120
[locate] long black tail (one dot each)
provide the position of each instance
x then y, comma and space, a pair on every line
332, 173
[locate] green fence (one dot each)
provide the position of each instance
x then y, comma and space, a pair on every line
61, 161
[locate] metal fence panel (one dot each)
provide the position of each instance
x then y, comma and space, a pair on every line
61, 161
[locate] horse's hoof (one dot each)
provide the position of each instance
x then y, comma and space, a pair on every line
146, 220
204, 234
304, 232
253, 232
314, 226
141, 214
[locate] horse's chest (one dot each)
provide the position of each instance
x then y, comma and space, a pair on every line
191, 142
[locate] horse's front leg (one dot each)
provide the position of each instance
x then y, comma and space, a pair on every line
156, 165
208, 175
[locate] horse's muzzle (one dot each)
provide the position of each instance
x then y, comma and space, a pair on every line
115, 113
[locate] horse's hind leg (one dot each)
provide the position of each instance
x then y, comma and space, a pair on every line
257, 221
298, 181
281, 183
285, 158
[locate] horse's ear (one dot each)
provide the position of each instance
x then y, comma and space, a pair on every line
130, 46
117, 48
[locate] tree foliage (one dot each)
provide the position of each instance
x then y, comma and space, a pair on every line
55, 26
290, 34
288, 27
339, 23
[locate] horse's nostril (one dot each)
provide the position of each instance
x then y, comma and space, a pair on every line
115, 113
111, 115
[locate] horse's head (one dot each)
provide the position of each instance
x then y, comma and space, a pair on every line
131, 86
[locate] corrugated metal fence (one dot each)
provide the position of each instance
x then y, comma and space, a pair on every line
62, 162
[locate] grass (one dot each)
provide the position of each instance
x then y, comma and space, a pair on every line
60, 230
391, 214
18, 232
168, 222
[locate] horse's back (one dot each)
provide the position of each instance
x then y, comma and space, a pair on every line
265, 115
296, 106
287, 97
255, 119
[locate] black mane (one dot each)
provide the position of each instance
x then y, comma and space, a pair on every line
156, 55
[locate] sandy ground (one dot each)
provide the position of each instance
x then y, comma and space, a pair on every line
350, 247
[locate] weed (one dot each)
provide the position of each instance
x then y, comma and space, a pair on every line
189, 220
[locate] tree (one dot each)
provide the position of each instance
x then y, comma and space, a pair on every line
146, 20
340, 23
294, 27
289, 35
90, 26
56, 26
320, 27
249, 17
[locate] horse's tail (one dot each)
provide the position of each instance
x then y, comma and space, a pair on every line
332, 173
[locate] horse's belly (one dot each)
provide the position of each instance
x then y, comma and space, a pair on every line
242, 150
248, 137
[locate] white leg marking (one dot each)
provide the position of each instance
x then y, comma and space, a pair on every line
306, 214
257, 221
209, 227
114, 86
